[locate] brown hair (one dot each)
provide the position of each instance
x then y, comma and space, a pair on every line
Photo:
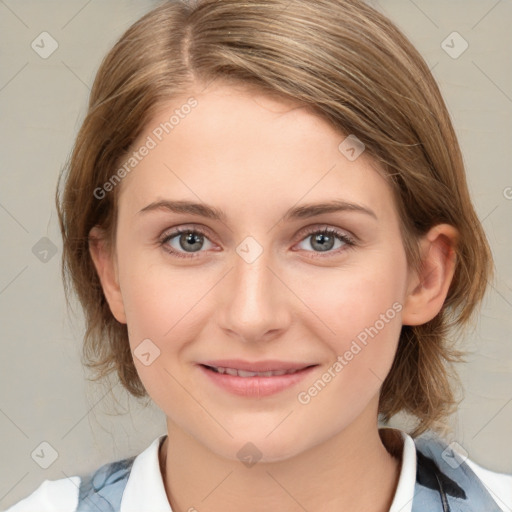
356, 70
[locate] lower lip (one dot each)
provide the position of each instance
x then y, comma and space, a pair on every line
256, 387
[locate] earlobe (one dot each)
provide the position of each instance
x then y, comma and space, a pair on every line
106, 268
427, 290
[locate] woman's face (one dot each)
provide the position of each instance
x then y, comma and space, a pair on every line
258, 282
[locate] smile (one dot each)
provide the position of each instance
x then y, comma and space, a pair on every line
254, 384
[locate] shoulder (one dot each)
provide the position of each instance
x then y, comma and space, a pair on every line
103, 489
498, 484
445, 468
105, 484
51, 496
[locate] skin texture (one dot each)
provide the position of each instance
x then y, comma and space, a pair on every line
254, 156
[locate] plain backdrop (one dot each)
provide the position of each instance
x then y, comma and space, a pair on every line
44, 395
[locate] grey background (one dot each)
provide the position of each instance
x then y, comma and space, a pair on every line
44, 394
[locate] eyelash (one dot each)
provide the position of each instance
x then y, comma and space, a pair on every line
348, 241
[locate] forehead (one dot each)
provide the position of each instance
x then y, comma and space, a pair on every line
252, 148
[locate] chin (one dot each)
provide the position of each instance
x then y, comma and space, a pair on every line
255, 445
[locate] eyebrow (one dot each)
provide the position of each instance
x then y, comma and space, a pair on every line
297, 212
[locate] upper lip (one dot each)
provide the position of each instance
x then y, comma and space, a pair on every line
257, 366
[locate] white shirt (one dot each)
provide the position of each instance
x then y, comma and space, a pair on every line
145, 487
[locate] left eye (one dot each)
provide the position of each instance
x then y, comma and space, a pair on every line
324, 240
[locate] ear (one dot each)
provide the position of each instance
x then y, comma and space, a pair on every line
427, 290
106, 267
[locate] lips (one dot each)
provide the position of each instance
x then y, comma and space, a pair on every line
255, 379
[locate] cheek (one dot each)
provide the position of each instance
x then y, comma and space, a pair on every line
161, 305
359, 309
364, 329
158, 298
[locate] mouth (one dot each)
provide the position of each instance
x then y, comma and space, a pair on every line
255, 380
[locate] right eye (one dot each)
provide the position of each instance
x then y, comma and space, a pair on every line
185, 238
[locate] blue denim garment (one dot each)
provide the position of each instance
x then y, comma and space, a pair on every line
444, 483
103, 489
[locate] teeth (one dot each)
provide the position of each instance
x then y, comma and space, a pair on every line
245, 373
282, 372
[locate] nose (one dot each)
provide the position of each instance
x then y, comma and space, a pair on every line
256, 303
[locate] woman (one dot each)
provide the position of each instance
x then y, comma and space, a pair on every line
267, 222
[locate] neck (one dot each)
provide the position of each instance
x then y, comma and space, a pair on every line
351, 471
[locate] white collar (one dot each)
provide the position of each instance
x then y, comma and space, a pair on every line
404, 494
145, 487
